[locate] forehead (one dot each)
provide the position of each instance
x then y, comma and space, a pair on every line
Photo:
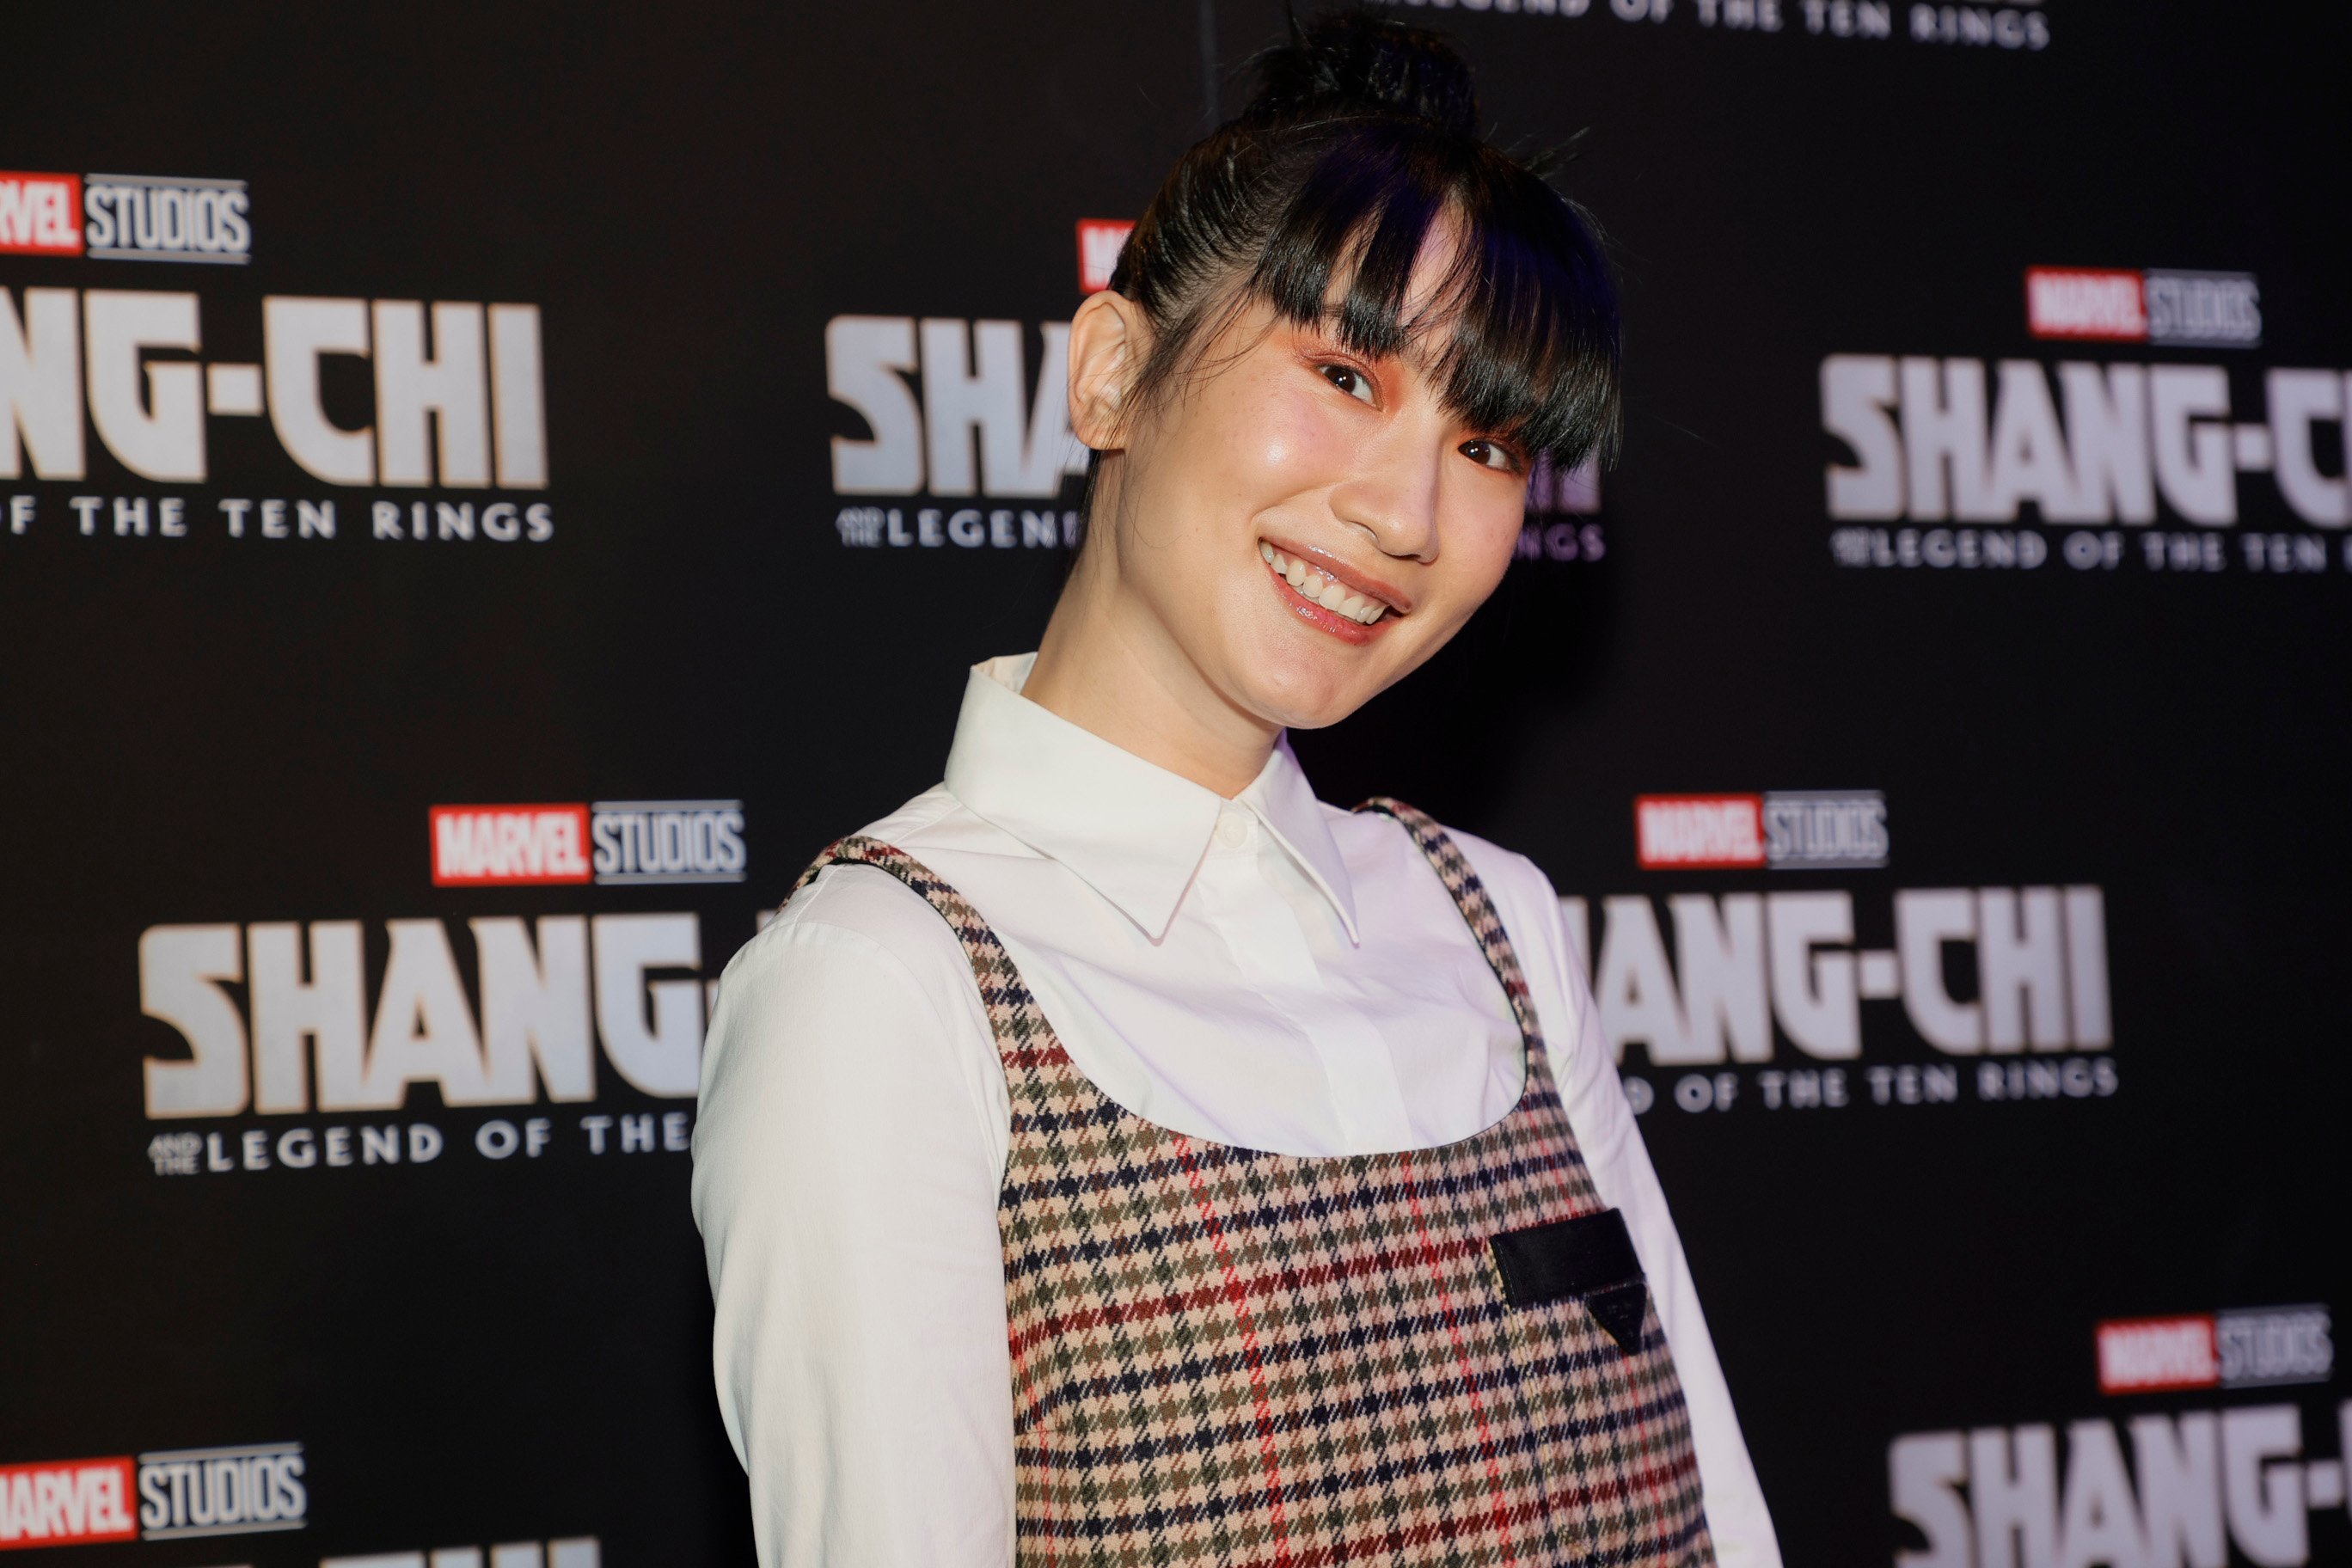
1433, 298
1429, 304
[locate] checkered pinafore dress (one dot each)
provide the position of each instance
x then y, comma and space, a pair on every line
1223, 1356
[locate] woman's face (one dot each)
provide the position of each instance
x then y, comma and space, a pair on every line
1305, 525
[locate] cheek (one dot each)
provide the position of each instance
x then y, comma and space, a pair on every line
1271, 437
1482, 537
1494, 536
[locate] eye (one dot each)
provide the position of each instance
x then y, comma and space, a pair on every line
1349, 380
1490, 454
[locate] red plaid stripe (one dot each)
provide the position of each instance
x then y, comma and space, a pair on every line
1222, 1355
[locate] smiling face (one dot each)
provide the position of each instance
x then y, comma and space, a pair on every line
1299, 526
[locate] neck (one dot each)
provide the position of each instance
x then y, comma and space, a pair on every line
1107, 666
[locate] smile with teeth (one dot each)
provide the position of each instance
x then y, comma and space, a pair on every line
1325, 590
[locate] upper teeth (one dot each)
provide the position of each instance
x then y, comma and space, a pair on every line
1322, 587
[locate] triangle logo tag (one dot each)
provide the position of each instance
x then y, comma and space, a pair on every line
1619, 1309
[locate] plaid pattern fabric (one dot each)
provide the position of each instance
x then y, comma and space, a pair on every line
1226, 1356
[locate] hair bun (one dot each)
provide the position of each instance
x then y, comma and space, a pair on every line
1353, 62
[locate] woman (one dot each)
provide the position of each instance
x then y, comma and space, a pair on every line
1227, 1178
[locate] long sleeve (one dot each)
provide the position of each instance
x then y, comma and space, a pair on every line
1605, 1131
846, 1182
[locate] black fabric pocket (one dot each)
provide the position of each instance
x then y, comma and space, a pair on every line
1590, 1259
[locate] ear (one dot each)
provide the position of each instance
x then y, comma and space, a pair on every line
1109, 341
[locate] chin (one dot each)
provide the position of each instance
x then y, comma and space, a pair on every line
1299, 691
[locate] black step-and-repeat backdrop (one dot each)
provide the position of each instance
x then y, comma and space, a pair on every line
486, 492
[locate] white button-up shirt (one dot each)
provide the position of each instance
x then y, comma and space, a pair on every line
1268, 972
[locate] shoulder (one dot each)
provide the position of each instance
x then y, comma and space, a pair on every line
1525, 899
845, 1026
856, 993
1522, 895
1511, 880
863, 918
1540, 936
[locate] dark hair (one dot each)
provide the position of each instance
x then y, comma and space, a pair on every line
1365, 132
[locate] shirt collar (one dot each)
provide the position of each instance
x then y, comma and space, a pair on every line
1285, 802
1132, 831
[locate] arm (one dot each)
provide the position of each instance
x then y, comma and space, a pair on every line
1586, 1072
845, 1184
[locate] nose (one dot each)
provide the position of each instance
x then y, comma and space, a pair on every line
1392, 495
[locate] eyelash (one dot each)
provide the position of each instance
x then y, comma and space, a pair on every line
1511, 464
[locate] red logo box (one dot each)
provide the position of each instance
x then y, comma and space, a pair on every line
510, 846
1698, 832
1100, 239
2087, 304
2150, 1355
65, 1502
40, 215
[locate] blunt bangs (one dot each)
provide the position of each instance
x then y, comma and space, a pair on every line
1520, 335
1363, 143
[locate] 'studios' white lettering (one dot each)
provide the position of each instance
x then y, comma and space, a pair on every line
2274, 1345
218, 1491
682, 841
200, 220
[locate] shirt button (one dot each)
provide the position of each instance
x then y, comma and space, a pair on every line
1233, 830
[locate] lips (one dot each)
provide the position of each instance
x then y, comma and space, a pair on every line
1320, 587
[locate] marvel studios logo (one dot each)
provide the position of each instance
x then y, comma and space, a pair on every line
609, 842
126, 218
2090, 304
182, 1494
2250, 1347
1782, 829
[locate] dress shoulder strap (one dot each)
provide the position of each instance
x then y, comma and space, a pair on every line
1018, 1023
1469, 896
